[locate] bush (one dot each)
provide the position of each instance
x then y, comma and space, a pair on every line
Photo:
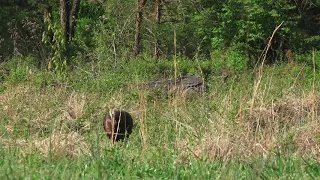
307, 58
19, 74
44, 79
21, 68
231, 58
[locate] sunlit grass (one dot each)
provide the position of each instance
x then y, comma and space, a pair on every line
52, 128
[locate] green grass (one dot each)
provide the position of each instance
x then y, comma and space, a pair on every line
51, 124
116, 163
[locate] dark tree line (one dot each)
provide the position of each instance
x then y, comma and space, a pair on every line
135, 27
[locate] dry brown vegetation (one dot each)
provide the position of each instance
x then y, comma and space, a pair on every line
289, 124
50, 117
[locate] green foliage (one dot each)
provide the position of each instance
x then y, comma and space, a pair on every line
232, 58
219, 25
44, 79
308, 58
236, 60
21, 28
2, 88
102, 48
105, 30
54, 37
18, 74
86, 29
21, 68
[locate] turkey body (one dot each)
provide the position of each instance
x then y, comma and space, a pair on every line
118, 125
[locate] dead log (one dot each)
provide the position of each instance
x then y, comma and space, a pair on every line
182, 84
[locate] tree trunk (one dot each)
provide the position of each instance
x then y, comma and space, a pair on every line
64, 18
25, 3
157, 11
137, 40
73, 17
68, 16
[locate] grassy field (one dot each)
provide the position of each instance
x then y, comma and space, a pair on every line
248, 127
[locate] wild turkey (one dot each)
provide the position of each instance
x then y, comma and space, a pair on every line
118, 125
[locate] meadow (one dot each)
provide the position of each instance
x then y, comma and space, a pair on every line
250, 126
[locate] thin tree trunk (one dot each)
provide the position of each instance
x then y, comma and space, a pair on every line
68, 16
73, 17
157, 11
25, 3
64, 19
137, 40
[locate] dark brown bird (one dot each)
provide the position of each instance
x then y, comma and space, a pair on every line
118, 125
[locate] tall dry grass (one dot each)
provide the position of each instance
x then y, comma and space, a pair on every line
218, 125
